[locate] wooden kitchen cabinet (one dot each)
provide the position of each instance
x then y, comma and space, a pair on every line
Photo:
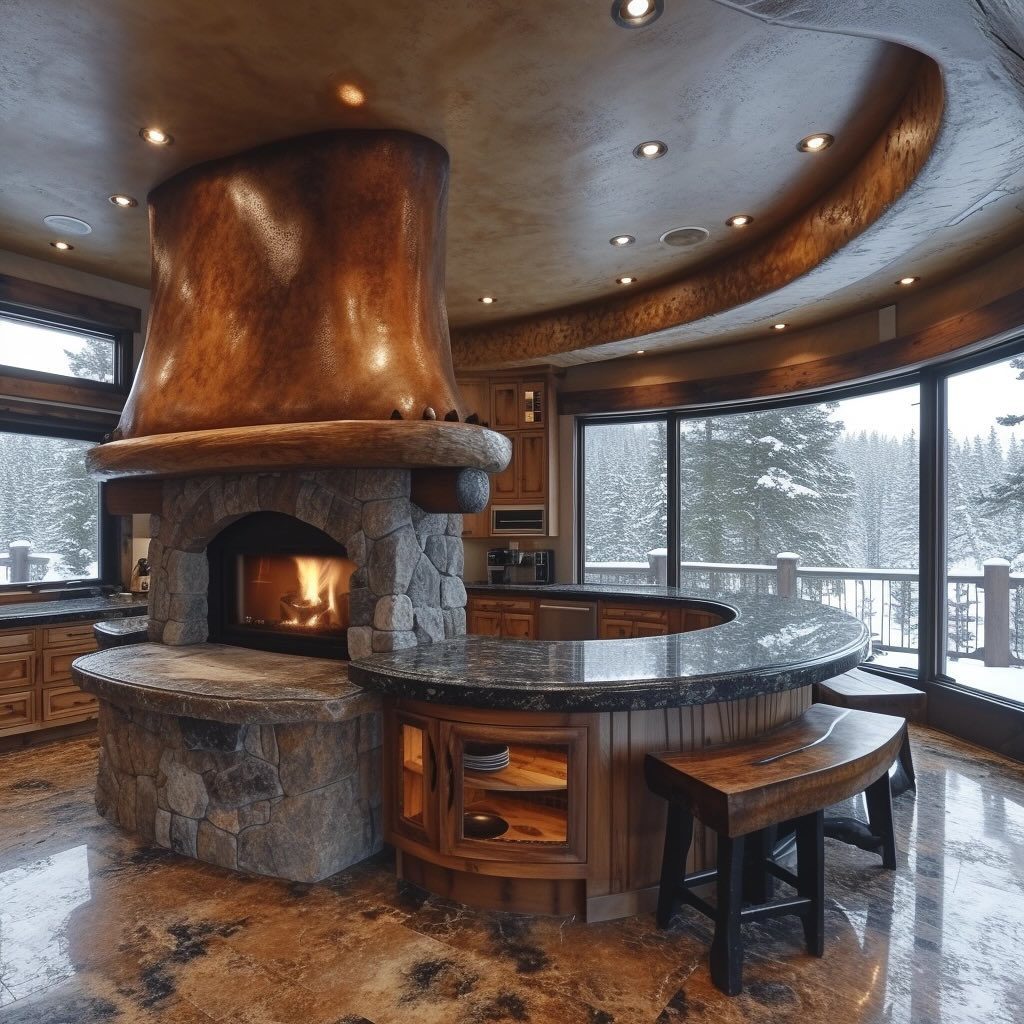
505, 405
514, 618
531, 469
36, 691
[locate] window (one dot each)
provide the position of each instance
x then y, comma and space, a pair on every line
49, 511
625, 502
27, 344
984, 611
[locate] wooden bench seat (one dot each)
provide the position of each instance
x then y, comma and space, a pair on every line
744, 790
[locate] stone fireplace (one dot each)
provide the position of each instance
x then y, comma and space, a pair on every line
406, 584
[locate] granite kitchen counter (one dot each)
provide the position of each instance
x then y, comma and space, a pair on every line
74, 609
770, 645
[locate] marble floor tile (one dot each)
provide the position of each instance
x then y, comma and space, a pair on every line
97, 927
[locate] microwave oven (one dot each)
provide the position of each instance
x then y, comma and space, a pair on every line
518, 520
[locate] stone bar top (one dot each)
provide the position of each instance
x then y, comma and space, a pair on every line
73, 609
771, 645
223, 684
126, 626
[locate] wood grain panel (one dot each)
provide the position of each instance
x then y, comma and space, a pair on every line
63, 702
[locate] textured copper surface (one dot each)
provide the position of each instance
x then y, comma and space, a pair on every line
100, 928
299, 282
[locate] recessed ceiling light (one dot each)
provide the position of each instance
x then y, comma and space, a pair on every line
156, 136
636, 13
621, 240
487, 300
62, 245
639, 351
351, 95
815, 143
625, 280
740, 220
779, 327
124, 201
650, 150
907, 281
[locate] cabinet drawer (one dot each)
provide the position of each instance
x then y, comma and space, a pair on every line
638, 613
66, 702
17, 640
72, 633
16, 710
57, 662
17, 670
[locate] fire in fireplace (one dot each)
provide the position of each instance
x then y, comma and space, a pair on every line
279, 584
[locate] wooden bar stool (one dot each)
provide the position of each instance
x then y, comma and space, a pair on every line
739, 790
867, 692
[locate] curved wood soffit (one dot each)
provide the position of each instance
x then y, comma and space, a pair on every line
299, 282
884, 173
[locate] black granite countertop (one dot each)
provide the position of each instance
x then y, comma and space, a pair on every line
74, 609
771, 645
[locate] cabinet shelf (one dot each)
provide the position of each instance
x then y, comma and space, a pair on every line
527, 822
530, 770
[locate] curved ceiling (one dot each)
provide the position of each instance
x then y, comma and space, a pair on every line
539, 107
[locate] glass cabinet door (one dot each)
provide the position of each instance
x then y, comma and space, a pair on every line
515, 794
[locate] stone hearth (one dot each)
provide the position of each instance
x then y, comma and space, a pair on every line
407, 589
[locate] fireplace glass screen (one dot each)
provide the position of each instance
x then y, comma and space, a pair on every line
293, 593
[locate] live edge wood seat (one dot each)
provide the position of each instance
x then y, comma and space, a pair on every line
744, 791
867, 692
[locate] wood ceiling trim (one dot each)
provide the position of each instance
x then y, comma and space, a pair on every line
956, 334
883, 174
88, 309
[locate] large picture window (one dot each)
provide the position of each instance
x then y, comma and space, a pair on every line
49, 511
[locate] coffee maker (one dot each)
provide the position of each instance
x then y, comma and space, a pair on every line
521, 568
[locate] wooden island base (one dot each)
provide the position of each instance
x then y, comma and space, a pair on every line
584, 836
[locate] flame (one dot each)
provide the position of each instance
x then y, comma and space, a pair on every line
320, 580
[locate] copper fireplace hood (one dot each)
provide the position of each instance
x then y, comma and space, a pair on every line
298, 317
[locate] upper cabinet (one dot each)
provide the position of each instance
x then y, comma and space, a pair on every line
522, 408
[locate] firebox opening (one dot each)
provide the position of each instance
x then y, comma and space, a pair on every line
279, 584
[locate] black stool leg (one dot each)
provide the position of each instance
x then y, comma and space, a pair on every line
810, 860
758, 884
678, 836
879, 800
727, 946
904, 777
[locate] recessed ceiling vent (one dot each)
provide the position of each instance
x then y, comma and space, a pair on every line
684, 238
67, 225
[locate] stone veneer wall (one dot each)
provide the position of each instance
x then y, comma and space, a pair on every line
297, 801
408, 587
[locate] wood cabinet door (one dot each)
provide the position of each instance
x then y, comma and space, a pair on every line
541, 796
476, 524
484, 623
64, 702
616, 629
476, 397
17, 671
532, 466
57, 661
17, 640
411, 775
16, 711
505, 485
519, 625
505, 405
650, 629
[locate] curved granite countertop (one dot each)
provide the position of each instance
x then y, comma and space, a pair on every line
770, 646
71, 609
127, 626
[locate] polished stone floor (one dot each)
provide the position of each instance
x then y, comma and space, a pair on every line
95, 927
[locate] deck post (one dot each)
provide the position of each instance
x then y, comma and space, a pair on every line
785, 573
997, 613
18, 551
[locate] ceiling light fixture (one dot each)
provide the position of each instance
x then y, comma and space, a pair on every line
639, 351
156, 136
740, 220
124, 202
351, 95
621, 240
650, 150
636, 13
815, 143
62, 245
907, 281
625, 280
487, 300
61, 224
779, 327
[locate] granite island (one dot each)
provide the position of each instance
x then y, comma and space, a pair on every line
513, 769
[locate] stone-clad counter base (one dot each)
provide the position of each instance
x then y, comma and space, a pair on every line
250, 760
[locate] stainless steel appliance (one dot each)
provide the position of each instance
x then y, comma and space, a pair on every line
566, 620
521, 567
518, 520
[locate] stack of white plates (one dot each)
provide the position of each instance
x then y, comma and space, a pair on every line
485, 757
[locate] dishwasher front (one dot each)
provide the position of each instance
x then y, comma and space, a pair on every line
566, 620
